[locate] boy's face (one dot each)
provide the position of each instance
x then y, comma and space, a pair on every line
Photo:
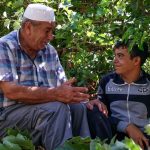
123, 63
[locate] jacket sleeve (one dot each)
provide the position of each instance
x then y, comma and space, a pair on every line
122, 125
101, 92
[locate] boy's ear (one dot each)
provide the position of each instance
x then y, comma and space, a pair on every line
137, 60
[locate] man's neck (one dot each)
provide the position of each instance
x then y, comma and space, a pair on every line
25, 47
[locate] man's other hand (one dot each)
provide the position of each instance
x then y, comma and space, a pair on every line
101, 106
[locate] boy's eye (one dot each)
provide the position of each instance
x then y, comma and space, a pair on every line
120, 55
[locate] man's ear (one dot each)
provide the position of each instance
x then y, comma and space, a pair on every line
27, 28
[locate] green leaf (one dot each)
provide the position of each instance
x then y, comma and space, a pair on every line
24, 142
7, 23
130, 144
76, 143
21, 137
10, 138
18, 3
147, 129
11, 131
119, 146
18, 138
94, 145
11, 146
16, 131
3, 147
16, 25
5, 14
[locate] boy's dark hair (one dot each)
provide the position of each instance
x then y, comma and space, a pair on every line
135, 50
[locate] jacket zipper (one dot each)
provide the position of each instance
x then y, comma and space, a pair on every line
128, 111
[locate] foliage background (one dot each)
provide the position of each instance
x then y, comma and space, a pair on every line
86, 31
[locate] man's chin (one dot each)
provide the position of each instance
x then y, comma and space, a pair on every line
117, 71
42, 46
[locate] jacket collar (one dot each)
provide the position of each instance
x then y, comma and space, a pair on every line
141, 80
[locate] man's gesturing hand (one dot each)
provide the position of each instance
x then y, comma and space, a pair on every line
69, 94
101, 106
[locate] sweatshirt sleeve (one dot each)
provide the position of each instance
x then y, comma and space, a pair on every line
122, 125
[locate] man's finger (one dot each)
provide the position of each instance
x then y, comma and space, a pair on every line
89, 106
80, 89
103, 109
70, 81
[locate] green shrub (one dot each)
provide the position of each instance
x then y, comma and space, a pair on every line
78, 143
16, 140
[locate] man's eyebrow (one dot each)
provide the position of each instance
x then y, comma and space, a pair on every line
49, 28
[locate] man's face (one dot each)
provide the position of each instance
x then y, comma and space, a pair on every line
41, 34
123, 63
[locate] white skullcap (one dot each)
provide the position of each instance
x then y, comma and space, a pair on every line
39, 12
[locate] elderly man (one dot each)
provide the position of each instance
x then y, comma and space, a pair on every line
34, 93
126, 93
